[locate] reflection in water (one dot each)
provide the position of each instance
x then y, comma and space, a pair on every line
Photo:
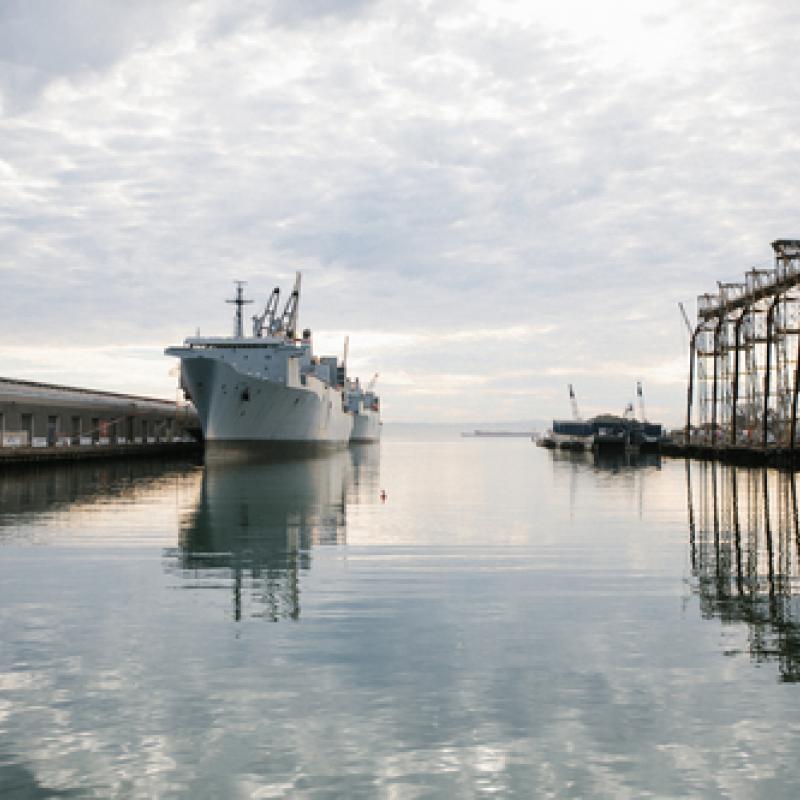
17, 780
628, 469
26, 493
365, 460
744, 546
608, 461
255, 523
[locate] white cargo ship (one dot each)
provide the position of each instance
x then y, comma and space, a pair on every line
364, 405
267, 387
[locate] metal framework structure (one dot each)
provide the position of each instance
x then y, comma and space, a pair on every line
744, 355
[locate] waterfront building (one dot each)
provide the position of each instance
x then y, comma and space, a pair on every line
36, 414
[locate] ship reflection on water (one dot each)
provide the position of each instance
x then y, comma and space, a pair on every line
745, 556
611, 461
256, 522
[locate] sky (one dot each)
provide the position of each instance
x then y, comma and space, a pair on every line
492, 199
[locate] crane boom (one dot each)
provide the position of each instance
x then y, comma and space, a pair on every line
288, 320
267, 318
641, 400
686, 319
373, 381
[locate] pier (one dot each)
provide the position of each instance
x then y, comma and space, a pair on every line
744, 353
41, 422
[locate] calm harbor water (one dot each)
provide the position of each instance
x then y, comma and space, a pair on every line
509, 622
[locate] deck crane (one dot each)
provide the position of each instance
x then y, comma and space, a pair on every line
267, 318
373, 381
287, 323
575, 415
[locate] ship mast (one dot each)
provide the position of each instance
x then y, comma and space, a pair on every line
238, 330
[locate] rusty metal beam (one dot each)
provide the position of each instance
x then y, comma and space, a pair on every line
749, 298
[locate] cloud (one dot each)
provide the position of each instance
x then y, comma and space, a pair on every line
287, 12
46, 40
433, 168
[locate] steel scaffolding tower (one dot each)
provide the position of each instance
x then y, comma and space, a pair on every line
745, 354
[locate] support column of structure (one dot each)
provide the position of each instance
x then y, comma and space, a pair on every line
716, 354
735, 400
793, 425
770, 319
690, 392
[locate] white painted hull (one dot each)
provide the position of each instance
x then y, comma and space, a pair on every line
272, 412
366, 426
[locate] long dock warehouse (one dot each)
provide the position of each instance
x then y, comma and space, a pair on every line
41, 416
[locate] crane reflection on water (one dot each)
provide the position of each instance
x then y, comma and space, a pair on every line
744, 544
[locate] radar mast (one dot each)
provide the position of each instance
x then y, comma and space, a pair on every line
240, 302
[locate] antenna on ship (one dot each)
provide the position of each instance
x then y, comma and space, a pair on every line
239, 300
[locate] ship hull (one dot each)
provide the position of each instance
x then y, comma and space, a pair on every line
366, 427
237, 408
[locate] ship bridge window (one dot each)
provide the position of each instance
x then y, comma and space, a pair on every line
245, 395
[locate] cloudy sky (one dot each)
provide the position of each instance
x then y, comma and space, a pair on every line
493, 198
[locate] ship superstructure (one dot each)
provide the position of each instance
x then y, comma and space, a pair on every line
268, 386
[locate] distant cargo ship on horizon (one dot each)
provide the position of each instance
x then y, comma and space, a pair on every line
498, 433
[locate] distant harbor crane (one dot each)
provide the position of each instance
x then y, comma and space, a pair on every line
573, 400
641, 401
